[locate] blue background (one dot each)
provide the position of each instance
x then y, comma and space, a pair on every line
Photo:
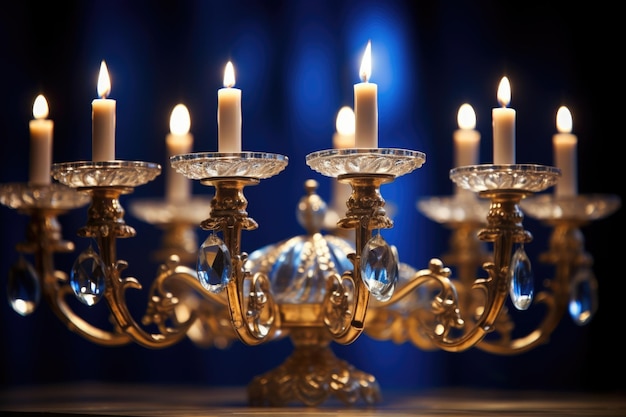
296, 63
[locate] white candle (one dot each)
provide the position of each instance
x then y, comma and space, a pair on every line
565, 156
466, 141
504, 127
229, 114
343, 139
365, 105
466, 138
179, 141
103, 120
40, 143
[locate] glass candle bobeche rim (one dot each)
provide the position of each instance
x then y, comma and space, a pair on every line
204, 165
50, 196
116, 173
455, 208
524, 177
392, 161
580, 207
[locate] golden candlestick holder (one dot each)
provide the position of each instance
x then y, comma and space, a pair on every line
332, 291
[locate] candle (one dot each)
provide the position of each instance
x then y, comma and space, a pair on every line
343, 139
466, 141
179, 141
229, 114
565, 158
503, 127
466, 138
40, 143
365, 105
103, 120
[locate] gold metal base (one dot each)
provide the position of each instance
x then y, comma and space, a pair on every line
311, 376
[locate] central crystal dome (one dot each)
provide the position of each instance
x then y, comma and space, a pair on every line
298, 267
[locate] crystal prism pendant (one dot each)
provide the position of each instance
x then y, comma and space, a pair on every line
87, 277
379, 268
214, 265
23, 287
521, 280
583, 302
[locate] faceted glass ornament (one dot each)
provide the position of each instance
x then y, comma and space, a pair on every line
583, 302
521, 280
379, 268
87, 277
214, 264
23, 287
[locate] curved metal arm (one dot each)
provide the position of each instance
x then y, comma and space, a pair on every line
365, 213
257, 320
106, 224
43, 240
441, 322
567, 253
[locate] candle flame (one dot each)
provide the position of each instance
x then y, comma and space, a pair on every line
229, 75
40, 107
366, 63
345, 122
466, 117
104, 82
564, 120
504, 92
180, 121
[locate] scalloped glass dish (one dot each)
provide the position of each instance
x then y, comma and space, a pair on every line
335, 162
203, 165
105, 174
153, 211
577, 207
51, 196
526, 177
454, 209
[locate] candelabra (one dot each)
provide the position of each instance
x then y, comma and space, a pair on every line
314, 289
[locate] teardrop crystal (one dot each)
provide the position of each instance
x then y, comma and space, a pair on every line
379, 268
521, 280
583, 302
23, 287
214, 264
87, 277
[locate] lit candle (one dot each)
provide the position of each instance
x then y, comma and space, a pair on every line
343, 139
466, 138
179, 141
466, 141
565, 157
40, 143
229, 113
365, 105
103, 120
504, 127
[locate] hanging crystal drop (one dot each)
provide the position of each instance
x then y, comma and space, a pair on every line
379, 268
23, 287
583, 302
87, 277
214, 265
521, 280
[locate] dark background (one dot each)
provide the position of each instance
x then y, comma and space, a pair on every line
296, 63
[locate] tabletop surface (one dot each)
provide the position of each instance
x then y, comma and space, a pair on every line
97, 399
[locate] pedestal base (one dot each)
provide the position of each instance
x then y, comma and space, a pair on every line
311, 376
